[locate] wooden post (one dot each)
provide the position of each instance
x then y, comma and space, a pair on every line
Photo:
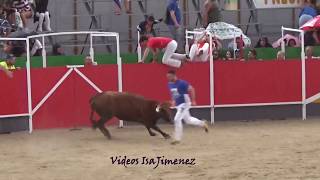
239, 13
293, 18
75, 24
130, 28
185, 14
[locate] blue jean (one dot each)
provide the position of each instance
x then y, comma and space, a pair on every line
177, 35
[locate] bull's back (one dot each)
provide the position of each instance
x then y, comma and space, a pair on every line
124, 106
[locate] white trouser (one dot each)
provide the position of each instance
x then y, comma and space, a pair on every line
171, 58
184, 114
195, 50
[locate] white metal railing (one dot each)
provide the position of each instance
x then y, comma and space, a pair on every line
190, 35
93, 34
31, 110
303, 67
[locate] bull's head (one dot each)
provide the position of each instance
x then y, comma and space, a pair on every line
164, 111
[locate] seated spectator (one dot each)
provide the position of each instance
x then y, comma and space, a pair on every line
292, 43
216, 43
88, 61
147, 27
308, 12
42, 15
252, 54
18, 48
5, 27
200, 50
8, 65
228, 56
263, 43
280, 55
289, 40
316, 37
240, 45
215, 55
309, 38
309, 53
23, 9
118, 7
57, 50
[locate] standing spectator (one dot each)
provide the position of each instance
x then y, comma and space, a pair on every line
308, 12
146, 27
228, 56
211, 12
173, 20
155, 44
42, 15
263, 43
119, 6
280, 55
24, 9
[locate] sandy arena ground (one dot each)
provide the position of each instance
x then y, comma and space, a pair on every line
279, 150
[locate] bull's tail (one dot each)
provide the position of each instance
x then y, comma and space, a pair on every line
92, 105
93, 122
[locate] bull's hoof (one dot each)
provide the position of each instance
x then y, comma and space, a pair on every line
153, 134
108, 137
167, 136
94, 127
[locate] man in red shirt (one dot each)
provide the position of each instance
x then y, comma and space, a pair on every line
155, 44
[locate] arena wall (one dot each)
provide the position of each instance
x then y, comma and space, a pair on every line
235, 83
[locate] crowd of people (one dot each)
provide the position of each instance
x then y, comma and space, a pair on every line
16, 18
16, 14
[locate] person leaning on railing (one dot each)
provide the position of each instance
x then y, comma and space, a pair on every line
8, 65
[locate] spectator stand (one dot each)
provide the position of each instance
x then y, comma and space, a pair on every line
31, 110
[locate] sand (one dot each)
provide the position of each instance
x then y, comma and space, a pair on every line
275, 150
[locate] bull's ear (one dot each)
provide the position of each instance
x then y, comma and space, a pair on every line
158, 108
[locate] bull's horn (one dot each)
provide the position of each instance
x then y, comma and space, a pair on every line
158, 108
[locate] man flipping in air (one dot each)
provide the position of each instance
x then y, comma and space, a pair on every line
155, 44
180, 91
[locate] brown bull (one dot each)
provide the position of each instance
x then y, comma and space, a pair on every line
128, 107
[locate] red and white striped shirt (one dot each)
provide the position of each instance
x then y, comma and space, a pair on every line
21, 5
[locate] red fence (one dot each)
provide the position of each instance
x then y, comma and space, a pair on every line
235, 83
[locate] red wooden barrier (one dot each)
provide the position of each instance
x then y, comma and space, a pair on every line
235, 83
